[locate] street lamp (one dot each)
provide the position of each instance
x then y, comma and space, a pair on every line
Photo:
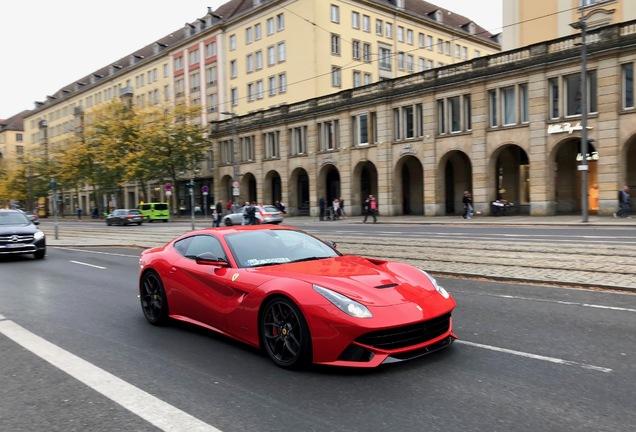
583, 167
235, 179
191, 189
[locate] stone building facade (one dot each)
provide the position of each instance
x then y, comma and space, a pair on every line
506, 126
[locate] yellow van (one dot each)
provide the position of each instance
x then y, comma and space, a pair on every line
155, 211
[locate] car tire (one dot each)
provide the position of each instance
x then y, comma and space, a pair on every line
152, 295
139, 223
284, 333
227, 221
107, 223
40, 254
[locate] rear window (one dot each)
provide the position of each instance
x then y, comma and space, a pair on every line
161, 206
134, 212
144, 207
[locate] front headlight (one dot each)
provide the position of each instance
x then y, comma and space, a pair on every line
39, 235
344, 303
440, 289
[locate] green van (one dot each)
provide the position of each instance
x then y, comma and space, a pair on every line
155, 211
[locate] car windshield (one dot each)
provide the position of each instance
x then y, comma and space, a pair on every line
11, 218
270, 209
134, 212
272, 247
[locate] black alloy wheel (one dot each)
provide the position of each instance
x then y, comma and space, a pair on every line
153, 298
285, 334
227, 221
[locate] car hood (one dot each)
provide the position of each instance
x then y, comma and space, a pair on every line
369, 281
18, 229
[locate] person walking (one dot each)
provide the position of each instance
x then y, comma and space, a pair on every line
342, 208
219, 208
623, 203
467, 200
216, 218
321, 207
336, 208
371, 209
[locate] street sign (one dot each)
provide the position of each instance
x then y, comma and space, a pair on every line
168, 187
205, 190
235, 184
235, 191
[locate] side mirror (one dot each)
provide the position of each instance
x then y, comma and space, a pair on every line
208, 258
331, 243
36, 222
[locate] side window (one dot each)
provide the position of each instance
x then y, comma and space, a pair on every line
203, 243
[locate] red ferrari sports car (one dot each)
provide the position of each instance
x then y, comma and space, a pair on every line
296, 297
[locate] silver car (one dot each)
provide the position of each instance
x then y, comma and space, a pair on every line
267, 214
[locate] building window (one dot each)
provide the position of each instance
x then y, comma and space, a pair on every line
210, 49
232, 42
355, 20
628, 85
401, 61
366, 23
508, 106
195, 82
19, 137
379, 27
280, 22
281, 52
454, 114
194, 57
409, 37
366, 52
572, 97
272, 85
385, 58
298, 140
400, 34
282, 83
523, 103
271, 56
367, 78
409, 63
361, 128
249, 63
250, 92
328, 135
389, 30
492, 108
233, 69
336, 78
270, 26
335, 44
335, 14
249, 35
408, 122
355, 46
357, 79
272, 150
259, 89
553, 86
178, 63
258, 31
258, 58
248, 152
234, 96
226, 152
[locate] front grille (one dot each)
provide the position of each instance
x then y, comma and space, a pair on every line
16, 238
414, 334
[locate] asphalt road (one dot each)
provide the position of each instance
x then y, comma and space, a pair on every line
529, 358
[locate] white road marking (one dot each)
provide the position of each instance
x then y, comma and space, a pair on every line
155, 411
615, 308
88, 265
536, 356
100, 252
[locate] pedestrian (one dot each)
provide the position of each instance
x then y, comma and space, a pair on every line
321, 207
228, 206
219, 208
467, 200
252, 213
623, 203
281, 207
79, 213
370, 209
95, 213
216, 218
246, 213
342, 208
336, 208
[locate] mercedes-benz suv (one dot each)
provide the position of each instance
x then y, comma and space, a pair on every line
19, 235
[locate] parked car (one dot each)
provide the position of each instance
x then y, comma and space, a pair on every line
125, 217
33, 216
19, 235
296, 297
267, 214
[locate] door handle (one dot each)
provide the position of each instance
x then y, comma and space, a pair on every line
173, 270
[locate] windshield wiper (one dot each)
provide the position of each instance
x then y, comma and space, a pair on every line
312, 258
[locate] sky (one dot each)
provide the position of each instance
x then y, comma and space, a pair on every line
48, 44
